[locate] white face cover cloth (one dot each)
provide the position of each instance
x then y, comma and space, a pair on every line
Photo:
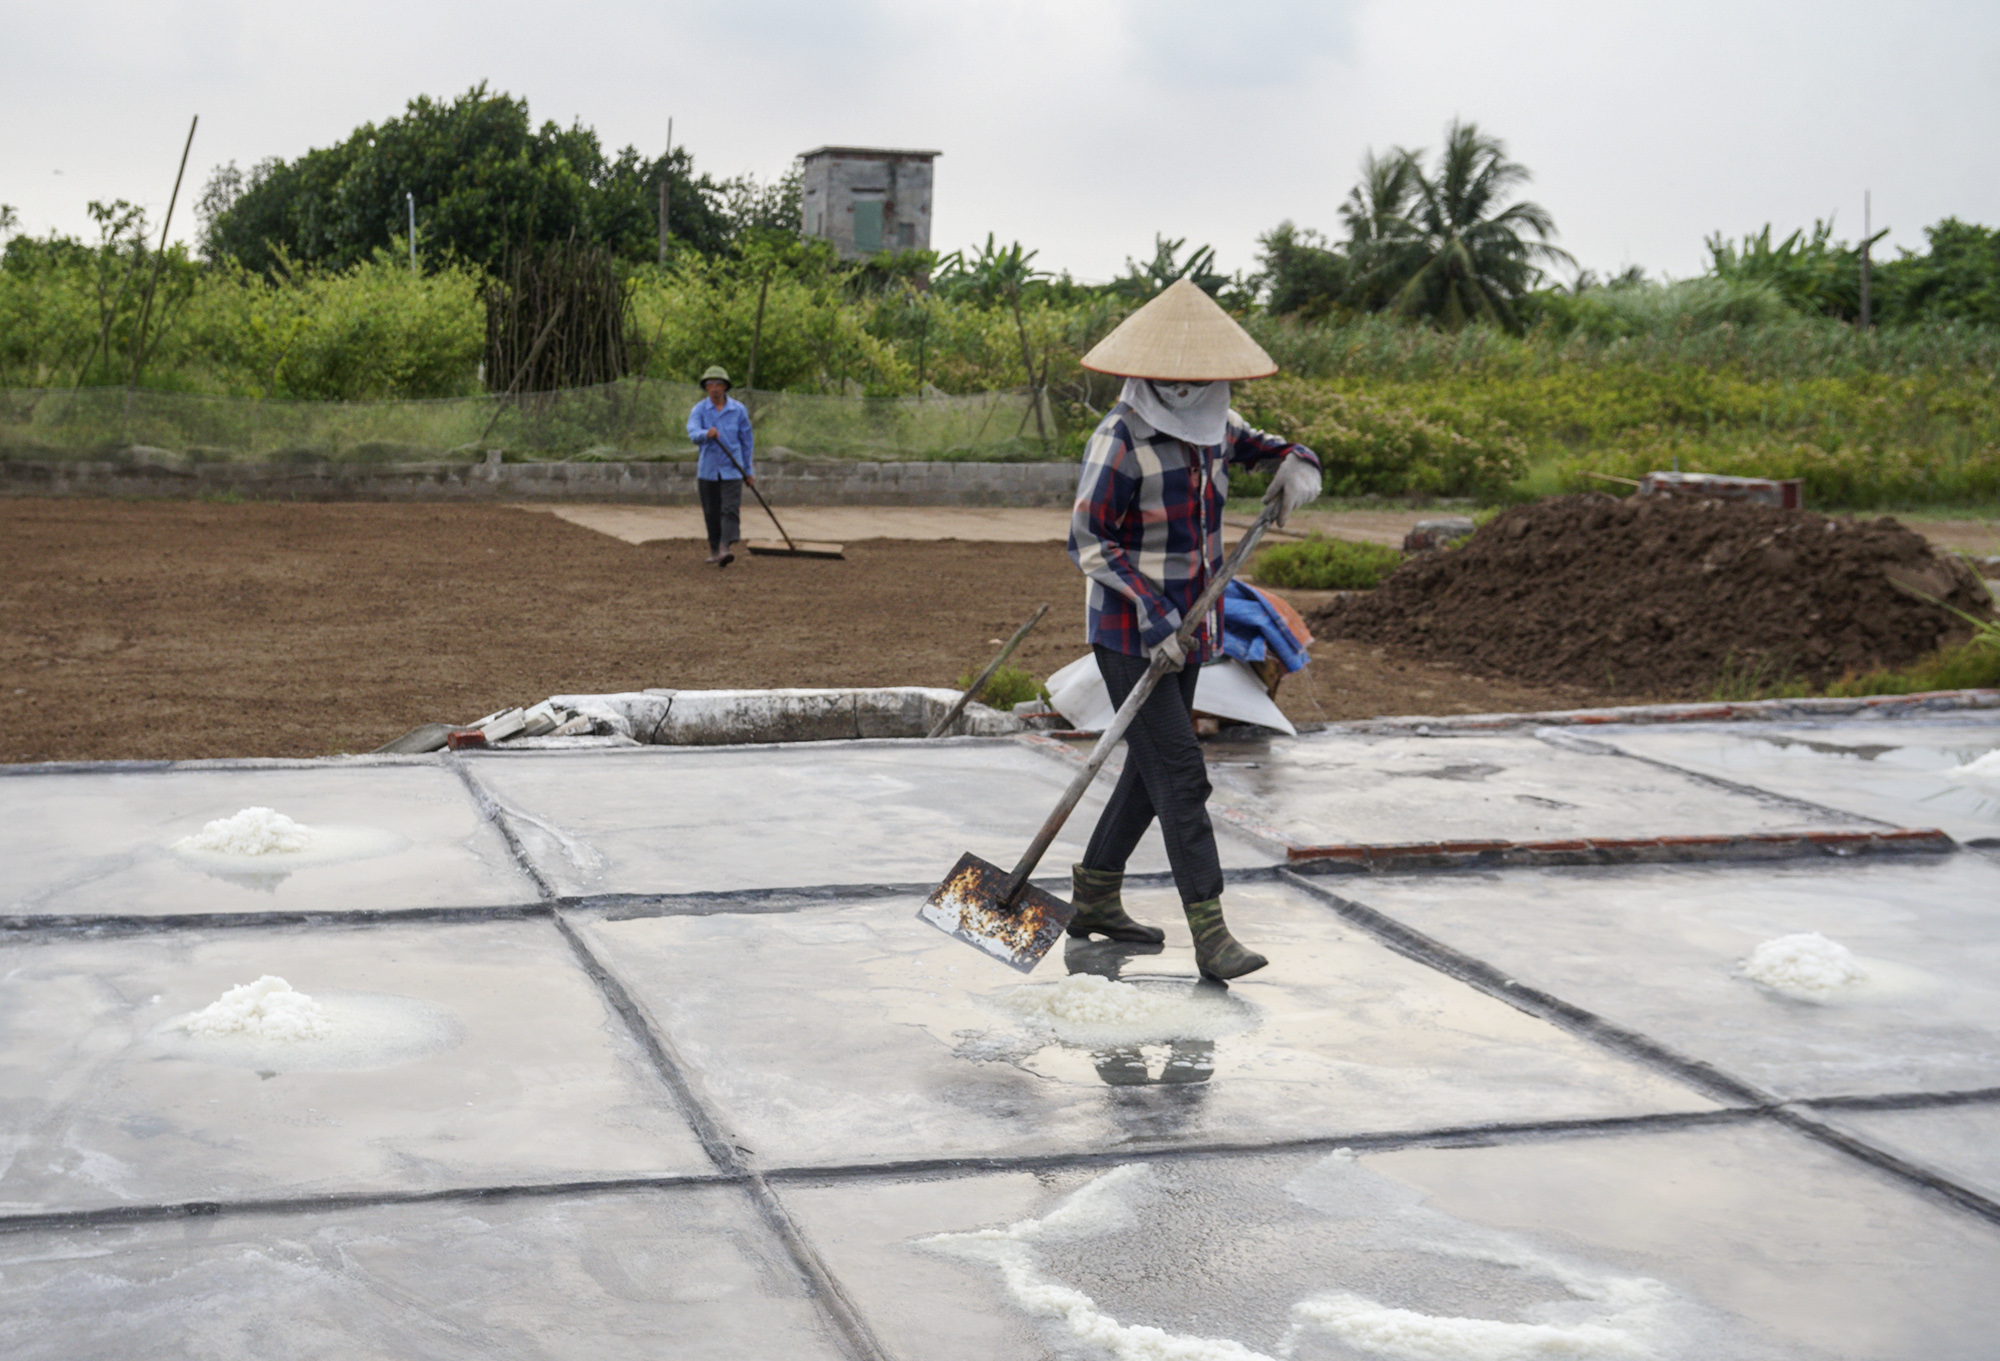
1195, 412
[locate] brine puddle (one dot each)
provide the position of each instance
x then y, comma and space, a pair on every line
1123, 1032
1047, 1264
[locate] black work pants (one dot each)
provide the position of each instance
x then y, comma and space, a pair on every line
1164, 777
721, 510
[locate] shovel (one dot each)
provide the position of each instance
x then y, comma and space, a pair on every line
1002, 913
764, 547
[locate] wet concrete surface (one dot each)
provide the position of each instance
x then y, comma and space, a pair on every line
647, 1054
476, 1056
103, 843
730, 819
1900, 772
842, 1035
1344, 788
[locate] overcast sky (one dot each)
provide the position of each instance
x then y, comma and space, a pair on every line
1079, 127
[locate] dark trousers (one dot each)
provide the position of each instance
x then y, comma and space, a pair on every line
721, 510
1164, 777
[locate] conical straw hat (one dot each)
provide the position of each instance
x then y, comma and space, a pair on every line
1180, 334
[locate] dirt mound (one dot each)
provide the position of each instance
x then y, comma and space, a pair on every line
1667, 597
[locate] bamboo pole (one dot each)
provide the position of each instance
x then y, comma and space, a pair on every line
146, 310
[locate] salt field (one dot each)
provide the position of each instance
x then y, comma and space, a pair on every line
1653, 1040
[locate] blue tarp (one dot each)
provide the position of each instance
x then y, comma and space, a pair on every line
1252, 630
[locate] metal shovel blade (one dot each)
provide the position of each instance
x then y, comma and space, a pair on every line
967, 905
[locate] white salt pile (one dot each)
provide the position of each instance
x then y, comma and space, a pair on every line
254, 831
1807, 964
1088, 1010
269, 1009
1983, 771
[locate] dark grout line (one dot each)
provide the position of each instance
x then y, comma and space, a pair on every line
758, 901
1564, 740
1710, 1081
1702, 1076
1814, 1126
490, 808
357, 761
136, 924
1900, 1101
1455, 1136
725, 1152
117, 1215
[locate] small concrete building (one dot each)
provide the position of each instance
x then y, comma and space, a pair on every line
868, 199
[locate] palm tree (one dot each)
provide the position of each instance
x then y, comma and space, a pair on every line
1457, 255
1373, 213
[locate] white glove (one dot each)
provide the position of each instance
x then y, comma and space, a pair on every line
1169, 647
1296, 483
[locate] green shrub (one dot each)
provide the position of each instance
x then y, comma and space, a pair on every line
1010, 686
1371, 443
1323, 564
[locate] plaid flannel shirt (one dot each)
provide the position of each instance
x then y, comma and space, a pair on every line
1147, 526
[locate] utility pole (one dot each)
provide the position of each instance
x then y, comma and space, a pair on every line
666, 175
1867, 230
412, 200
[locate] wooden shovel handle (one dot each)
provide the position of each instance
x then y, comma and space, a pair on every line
1130, 710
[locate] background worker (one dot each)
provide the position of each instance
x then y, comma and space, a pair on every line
1147, 531
720, 425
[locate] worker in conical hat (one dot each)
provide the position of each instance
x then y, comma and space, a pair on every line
1147, 532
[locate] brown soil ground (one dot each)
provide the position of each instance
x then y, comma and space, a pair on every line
174, 630
1667, 593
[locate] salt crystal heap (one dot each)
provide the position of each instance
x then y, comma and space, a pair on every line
269, 1009
1984, 771
1808, 964
254, 831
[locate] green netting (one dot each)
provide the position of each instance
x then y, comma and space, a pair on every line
625, 420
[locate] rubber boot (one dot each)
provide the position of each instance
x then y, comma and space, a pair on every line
1219, 954
1098, 909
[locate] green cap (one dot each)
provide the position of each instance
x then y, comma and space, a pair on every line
715, 371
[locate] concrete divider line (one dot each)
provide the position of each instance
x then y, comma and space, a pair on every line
1893, 707
60, 924
722, 1147
1902, 1101
1718, 848
491, 809
1703, 1077
363, 761
1817, 1126
1449, 1136
113, 1216
1757, 792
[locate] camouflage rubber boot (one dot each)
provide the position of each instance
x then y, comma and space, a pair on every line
1098, 909
1218, 953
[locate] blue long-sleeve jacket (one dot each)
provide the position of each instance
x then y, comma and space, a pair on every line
733, 424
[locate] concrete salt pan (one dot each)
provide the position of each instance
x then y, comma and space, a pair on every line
1677, 1246
855, 1033
1660, 950
379, 837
